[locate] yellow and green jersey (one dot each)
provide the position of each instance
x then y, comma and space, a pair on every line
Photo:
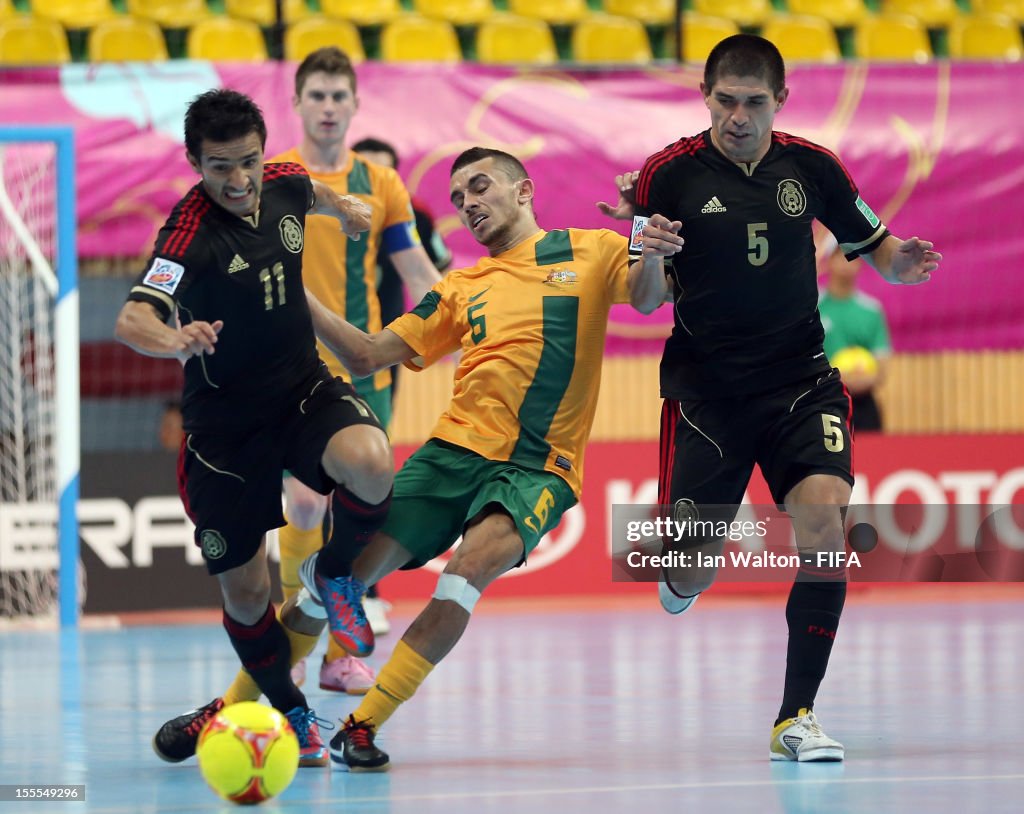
531, 326
342, 273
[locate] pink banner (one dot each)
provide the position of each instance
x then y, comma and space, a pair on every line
934, 148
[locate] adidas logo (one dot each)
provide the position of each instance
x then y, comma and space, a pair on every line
714, 205
237, 264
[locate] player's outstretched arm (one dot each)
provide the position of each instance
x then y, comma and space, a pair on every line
353, 214
623, 209
361, 353
906, 262
647, 284
139, 327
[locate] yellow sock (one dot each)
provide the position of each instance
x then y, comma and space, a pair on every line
334, 650
296, 545
396, 683
243, 688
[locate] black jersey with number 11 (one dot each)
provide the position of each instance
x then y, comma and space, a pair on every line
209, 265
746, 316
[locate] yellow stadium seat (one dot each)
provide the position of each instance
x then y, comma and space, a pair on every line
804, 38
1014, 9
456, 12
362, 12
225, 39
985, 36
741, 12
930, 13
306, 36
603, 38
553, 12
6, 9
412, 38
170, 13
263, 12
126, 39
897, 38
510, 39
839, 13
32, 41
73, 14
649, 12
701, 33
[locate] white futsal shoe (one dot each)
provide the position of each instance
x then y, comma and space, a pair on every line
802, 738
671, 601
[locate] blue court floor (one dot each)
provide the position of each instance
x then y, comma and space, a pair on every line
617, 710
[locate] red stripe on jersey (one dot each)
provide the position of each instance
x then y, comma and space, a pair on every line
281, 169
786, 139
189, 217
685, 146
667, 450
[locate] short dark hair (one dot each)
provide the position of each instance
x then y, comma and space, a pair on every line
511, 165
746, 55
376, 145
329, 60
221, 115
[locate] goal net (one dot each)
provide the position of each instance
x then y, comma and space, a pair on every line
38, 376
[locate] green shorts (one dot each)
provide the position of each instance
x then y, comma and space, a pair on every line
377, 400
441, 487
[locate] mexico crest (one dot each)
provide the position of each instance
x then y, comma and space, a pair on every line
291, 233
791, 198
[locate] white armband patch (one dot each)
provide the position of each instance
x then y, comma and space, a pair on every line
164, 275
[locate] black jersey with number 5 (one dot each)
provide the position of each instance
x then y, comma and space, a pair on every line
746, 316
209, 265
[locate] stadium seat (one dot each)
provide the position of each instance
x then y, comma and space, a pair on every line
412, 38
701, 33
800, 37
126, 39
603, 38
73, 14
263, 12
1014, 9
171, 14
741, 12
896, 38
985, 36
649, 12
930, 13
225, 39
307, 35
839, 13
456, 12
510, 39
553, 12
28, 40
362, 12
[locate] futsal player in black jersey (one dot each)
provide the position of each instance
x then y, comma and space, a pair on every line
744, 377
257, 399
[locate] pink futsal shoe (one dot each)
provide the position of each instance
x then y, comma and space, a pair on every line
347, 674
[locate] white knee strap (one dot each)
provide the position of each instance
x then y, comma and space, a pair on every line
458, 590
310, 606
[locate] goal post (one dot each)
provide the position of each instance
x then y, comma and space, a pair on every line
39, 281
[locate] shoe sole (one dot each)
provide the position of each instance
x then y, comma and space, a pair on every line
666, 595
830, 755
358, 691
342, 766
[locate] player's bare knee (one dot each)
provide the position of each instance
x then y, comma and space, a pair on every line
306, 511
362, 461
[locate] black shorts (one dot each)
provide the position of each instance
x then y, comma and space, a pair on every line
231, 483
709, 448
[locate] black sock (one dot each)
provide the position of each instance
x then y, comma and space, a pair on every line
265, 653
813, 610
355, 522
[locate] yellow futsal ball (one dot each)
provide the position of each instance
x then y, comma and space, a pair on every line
248, 753
855, 359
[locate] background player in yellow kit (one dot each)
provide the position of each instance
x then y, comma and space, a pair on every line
506, 459
342, 274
